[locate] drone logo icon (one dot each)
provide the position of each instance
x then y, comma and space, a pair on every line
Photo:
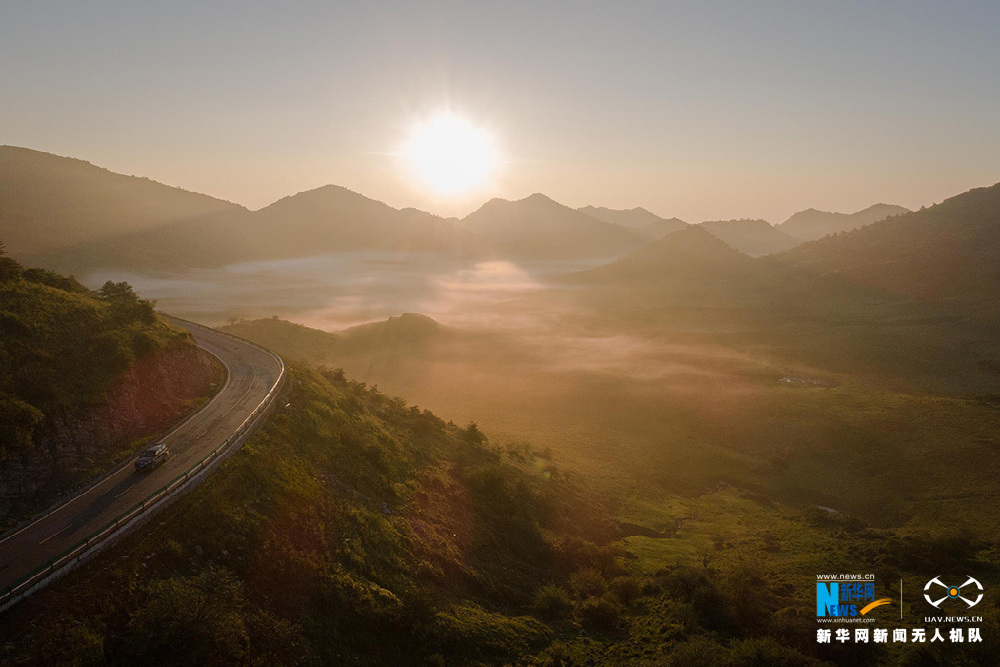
954, 592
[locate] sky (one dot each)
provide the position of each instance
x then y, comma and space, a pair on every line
700, 110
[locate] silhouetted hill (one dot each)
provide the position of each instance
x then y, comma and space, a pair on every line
660, 228
405, 331
325, 220
48, 203
334, 219
213, 241
753, 237
811, 224
948, 251
689, 256
537, 227
648, 224
830, 303
296, 342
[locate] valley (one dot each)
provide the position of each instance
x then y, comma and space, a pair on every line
724, 404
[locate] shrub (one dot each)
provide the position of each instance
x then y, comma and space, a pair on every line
599, 614
553, 602
697, 651
768, 652
626, 589
191, 620
588, 582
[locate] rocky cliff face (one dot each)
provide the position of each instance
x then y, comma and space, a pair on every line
74, 448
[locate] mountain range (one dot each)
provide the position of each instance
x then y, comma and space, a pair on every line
648, 224
946, 252
49, 203
537, 227
71, 215
810, 224
753, 237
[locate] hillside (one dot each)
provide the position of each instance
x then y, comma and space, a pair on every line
325, 220
648, 224
660, 228
752, 237
636, 218
689, 257
950, 251
334, 219
48, 203
373, 341
84, 378
294, 342
537, 227
72, 216
811, 224
355, 529
409, 330
352, 529
788, 310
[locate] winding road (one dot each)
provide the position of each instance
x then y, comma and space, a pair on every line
252, 373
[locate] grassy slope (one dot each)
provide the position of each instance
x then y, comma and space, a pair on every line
357, 530
737, 477
860, 449
354, 529
62, 348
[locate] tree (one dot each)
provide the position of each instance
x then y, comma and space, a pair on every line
9, 269
118, 293
125, 303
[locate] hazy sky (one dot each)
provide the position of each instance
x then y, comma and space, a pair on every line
694, 109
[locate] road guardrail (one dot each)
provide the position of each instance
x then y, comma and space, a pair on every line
79, 551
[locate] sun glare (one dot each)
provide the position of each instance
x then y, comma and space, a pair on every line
451, 156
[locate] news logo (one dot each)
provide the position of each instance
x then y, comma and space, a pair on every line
842, 599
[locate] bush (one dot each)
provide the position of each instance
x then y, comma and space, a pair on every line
693, 586
190, 620
553, 602
588, 582
53, 279
626, 589
955, 548
698, 651
599, 614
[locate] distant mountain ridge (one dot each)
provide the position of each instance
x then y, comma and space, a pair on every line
49, 203
648, 224
752, 237
537, 227
333, 218
70, 215
636, 218
688, 255
812, 224
948, 251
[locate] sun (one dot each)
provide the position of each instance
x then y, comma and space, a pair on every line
451, 156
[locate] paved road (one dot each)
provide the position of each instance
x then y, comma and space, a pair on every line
252, 374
